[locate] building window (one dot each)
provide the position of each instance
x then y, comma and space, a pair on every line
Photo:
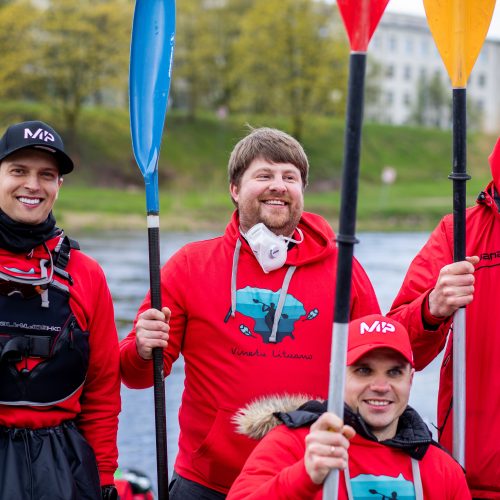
407, 73
393, 44
389, 97
409, 46
389, 71
407, 100
424, 47
481, 81
423, 73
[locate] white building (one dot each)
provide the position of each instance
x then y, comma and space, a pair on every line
404, 48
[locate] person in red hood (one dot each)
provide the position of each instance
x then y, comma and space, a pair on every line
433, 289
59, 356
251, 312
382, 447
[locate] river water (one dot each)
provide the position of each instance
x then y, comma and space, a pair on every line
124, 258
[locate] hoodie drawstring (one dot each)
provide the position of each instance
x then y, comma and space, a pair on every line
282, 297
281, 302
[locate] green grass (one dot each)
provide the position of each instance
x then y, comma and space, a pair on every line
106, 189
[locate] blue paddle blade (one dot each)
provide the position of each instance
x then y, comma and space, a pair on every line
151, 58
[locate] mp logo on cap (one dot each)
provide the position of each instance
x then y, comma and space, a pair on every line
377, 326
39, 134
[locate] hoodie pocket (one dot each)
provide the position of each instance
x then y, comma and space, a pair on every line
222, 453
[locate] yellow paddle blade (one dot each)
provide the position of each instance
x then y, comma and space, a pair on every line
459, 28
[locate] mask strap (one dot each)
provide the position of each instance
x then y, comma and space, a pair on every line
301, 234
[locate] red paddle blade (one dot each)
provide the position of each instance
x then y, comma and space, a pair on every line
361, 18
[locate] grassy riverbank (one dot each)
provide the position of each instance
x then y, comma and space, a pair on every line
106, 190
399, 207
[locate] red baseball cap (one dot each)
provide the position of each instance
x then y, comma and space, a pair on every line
374, 332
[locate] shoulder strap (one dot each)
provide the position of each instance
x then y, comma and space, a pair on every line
62, 255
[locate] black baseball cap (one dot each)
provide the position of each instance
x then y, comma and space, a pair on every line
37, 135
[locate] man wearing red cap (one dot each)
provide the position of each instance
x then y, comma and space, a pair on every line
433, 289
383, 448
59, 360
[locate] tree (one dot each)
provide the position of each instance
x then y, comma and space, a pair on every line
18, 46
206, 30
290, 59
84, 51
433, 105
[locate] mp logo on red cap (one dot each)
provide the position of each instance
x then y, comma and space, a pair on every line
39, 134
377, 326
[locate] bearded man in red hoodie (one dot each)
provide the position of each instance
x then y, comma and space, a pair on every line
251, 312
433, 289
59, 357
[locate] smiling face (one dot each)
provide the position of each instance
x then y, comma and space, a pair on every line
29, 185
378, 387
271, 193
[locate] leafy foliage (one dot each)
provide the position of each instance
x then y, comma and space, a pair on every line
67, 53
290, 59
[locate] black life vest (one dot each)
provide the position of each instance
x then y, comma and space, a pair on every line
46, 330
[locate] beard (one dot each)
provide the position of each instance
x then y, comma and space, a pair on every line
279, 221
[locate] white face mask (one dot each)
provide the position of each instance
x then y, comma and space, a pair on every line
269, 249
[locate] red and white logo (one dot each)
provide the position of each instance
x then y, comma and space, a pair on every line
377, 326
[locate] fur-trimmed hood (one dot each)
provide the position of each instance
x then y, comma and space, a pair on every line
260, 416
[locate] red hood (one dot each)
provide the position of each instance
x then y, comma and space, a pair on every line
494, 160
318, 241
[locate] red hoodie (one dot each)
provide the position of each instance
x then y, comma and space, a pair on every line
276, 471
95, 406
228, 360
482, 459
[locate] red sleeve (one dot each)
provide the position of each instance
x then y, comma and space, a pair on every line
275, 469
437, 464
100, 400
136, 372
363, 298
408, 307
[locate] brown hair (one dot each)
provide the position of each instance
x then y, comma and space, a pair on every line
270, 144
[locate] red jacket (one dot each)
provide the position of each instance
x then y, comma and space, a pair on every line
228, 361
483, 338
94, 407
275, 470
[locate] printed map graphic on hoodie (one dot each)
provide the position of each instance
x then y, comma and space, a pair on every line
368, 486
260, 305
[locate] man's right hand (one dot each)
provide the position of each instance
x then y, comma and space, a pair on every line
454, 288
151, 330
326, 446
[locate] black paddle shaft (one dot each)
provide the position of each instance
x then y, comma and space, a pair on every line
349, 196
459, 175
158, 377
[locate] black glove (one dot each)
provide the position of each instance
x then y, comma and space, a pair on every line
109, 492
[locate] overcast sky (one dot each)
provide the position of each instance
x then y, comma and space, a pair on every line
417, 7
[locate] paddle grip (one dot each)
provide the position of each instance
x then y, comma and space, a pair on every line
459, 175
158, 377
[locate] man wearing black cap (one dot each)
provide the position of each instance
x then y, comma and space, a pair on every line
59, 365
